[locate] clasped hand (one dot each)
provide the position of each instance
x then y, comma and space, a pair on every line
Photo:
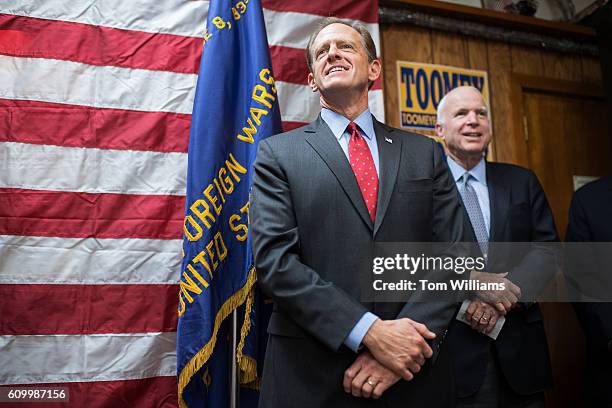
482, 316
503, 300
396, 349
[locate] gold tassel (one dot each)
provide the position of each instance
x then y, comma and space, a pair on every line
247, 365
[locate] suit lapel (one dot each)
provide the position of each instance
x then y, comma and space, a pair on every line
322, 140
389, 152
499, 198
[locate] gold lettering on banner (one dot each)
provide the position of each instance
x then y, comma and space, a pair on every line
197, 276
198, 230
189, 287
262, 94
201, 209
193, 283
249, 132
256, 115
220, 248
201, 258
212, 199
203, 214
240, 227
233, 167
225, 181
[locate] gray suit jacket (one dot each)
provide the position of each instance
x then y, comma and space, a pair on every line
313, 240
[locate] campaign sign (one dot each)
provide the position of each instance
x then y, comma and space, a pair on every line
422, 86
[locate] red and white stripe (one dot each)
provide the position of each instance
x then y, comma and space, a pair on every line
95, 108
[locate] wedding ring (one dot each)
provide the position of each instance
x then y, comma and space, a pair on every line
371, 383
484, 319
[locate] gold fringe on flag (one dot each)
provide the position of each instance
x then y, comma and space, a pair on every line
202, 356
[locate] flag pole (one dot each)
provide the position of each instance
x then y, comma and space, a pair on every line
234, 389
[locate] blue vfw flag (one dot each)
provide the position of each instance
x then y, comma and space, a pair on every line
236, 106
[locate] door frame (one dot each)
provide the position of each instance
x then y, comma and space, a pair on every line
520, 83
561, 359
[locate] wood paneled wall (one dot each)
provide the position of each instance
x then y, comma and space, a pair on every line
501, 60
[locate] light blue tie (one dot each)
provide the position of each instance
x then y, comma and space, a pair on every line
470, 200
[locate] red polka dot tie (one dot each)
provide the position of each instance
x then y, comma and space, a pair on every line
364, 169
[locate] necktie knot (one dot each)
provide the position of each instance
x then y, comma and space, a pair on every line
466, 178
352, 128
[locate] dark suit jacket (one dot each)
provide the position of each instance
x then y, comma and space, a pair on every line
519, 213
590, 220
313, 240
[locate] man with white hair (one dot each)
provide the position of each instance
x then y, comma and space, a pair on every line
502, 203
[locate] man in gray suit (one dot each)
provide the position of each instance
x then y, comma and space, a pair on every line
322, 196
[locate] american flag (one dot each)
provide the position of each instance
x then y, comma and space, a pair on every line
95, 107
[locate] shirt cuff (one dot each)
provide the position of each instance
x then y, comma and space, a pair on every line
355, 337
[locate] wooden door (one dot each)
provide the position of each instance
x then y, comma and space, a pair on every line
565, 134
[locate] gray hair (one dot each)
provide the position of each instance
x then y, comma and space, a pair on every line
440, 111
366, 38
441, 108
